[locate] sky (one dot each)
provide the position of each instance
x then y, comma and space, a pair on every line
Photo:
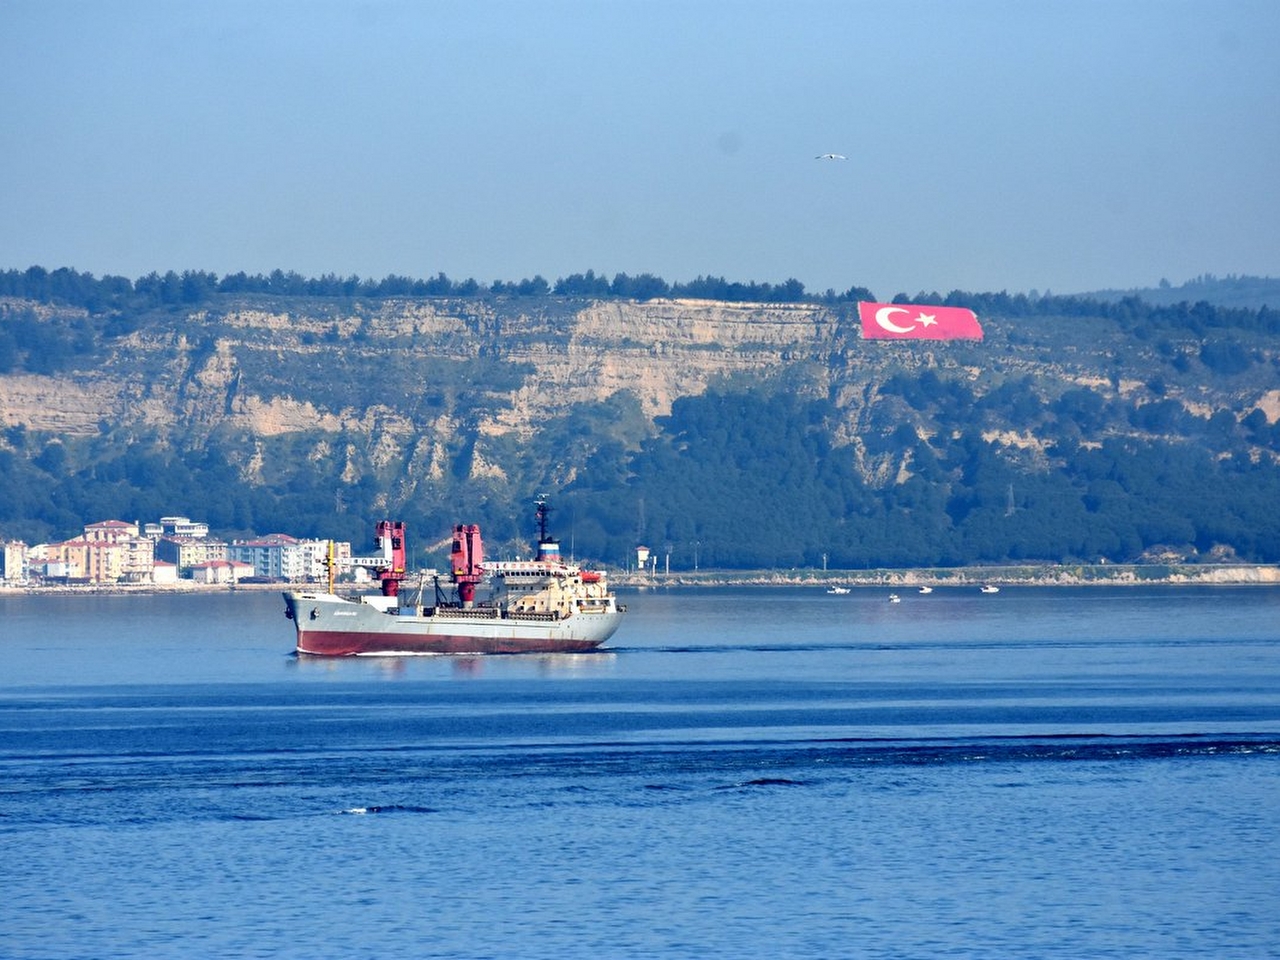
1052, 146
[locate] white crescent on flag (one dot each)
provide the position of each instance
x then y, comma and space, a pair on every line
882, 318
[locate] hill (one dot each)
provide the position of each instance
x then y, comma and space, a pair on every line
738, 434
1244, 292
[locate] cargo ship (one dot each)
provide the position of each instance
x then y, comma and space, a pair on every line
543, 605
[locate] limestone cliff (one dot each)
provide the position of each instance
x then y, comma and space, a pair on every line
413, 390
270, 373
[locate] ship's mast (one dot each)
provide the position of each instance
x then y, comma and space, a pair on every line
548, 546
542, 513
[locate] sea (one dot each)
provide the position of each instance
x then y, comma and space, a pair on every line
742, 772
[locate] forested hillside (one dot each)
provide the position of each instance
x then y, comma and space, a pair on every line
725, 432
1231, 291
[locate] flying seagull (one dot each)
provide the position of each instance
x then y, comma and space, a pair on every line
831, 156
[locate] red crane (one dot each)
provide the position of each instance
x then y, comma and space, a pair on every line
389, 539
466, 563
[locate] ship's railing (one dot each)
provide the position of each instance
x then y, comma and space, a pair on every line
465, 613
531, 615
484, 613
530, 568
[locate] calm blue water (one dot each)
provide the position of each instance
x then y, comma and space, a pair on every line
746, 773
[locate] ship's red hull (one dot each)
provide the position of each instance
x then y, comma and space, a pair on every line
322, 643
330, 626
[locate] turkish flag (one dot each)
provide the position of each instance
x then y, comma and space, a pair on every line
907, 321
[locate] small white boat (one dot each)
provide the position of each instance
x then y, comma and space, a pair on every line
894, 598
838, 591
990, 588
926, 589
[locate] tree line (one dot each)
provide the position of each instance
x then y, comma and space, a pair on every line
738, 480
192, 287
753, 480
116, 294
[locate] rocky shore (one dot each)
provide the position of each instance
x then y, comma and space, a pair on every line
1037, 575
134, 589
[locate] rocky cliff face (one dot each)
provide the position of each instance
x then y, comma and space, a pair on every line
404, 385
265, 372
659, 351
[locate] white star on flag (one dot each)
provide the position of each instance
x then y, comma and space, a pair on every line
927, 319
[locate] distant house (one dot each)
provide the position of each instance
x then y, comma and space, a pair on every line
274, 556
97, 561
110, 551
221, 571
164, 573
111, 531
176, 527
13, 561
54, 570
187, 552
315, 556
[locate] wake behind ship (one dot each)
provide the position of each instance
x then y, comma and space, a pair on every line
544, 605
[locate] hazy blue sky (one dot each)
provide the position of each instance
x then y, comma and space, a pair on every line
991, 144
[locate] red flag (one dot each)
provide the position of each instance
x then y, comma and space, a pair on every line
908, 321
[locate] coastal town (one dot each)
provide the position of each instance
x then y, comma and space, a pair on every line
177, 552
168, 552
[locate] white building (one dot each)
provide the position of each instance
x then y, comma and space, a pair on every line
176, 527
221, 571
13, 562
163, 573
282, 557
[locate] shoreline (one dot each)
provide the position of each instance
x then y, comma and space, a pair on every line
1027, 575
139, 589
